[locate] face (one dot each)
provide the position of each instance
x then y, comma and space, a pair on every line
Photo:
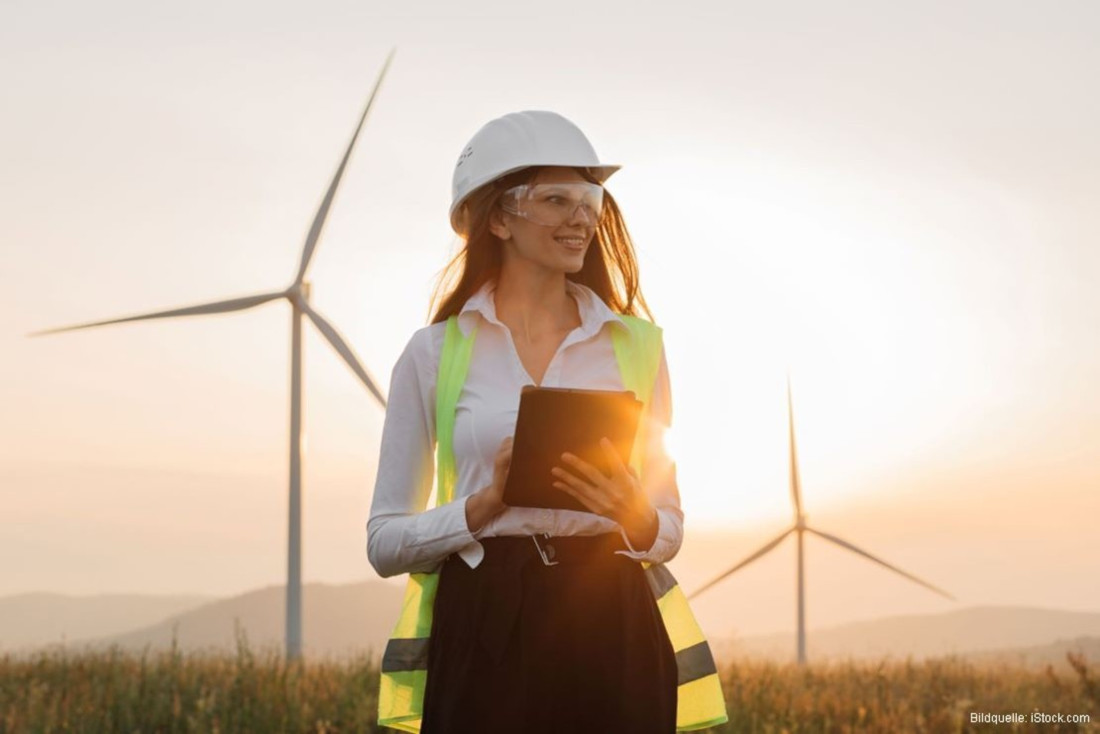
549, 247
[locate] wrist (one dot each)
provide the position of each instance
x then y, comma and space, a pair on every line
481, 507
492, 503
643, 532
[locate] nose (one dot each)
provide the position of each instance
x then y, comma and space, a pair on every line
585, 213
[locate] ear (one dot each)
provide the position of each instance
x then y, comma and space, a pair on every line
498, 226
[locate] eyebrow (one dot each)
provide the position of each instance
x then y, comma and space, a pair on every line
560, 186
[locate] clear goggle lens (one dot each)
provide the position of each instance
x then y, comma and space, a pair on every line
555, 204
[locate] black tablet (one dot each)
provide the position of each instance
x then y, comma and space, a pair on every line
552, 421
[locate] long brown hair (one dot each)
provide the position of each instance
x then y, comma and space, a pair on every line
610, 268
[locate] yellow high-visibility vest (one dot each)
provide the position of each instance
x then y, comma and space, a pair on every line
699, 703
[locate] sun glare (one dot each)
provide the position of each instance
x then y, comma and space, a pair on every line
841, 297
668, 439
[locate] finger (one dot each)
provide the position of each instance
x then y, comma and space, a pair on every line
593, 474
598, 498
584, 499
573, 482
502, 462
617, 466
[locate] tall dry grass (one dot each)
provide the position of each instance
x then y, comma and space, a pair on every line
173, 692
934, 696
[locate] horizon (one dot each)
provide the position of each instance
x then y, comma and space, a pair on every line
715, 634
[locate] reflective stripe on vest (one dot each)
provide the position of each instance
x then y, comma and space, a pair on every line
699, 703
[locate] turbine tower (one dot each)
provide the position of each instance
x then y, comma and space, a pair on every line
800, 527
297, 294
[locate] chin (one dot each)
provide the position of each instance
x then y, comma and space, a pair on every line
571, 268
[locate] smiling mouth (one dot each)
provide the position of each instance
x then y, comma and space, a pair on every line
573, 243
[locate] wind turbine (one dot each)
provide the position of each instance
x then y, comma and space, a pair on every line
801, 527
297, 294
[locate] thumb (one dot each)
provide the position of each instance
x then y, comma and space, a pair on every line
504, 453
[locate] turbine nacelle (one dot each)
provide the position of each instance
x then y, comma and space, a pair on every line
298, 294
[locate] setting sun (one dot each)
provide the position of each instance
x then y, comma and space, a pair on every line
669, 441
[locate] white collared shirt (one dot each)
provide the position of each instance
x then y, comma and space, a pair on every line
402, 537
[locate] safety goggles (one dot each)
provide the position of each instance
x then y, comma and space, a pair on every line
554, 204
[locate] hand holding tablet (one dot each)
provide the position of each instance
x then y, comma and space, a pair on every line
556, 421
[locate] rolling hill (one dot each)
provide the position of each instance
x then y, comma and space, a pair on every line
347, 620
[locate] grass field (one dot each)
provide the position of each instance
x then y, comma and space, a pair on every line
247, 692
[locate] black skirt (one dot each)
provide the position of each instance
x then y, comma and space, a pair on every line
520, 646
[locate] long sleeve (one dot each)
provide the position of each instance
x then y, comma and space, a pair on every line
401, 536
659, 477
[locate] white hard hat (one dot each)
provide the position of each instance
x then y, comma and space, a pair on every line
518, 140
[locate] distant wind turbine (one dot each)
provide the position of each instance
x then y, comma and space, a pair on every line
297, 294
800, 527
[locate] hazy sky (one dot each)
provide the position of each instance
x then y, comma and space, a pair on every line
897, 203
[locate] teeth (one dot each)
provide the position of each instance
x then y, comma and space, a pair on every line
570, 240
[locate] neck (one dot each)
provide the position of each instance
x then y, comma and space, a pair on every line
533, 301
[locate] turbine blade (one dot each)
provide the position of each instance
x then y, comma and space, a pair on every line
796, 482
865, 554
233, 304
767, 547
326, 203
345, 351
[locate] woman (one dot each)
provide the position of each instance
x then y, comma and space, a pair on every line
539, 620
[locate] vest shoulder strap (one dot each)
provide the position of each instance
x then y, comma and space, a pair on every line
454, 362
638, 352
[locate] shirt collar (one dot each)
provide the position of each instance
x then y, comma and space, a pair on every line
594, 312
